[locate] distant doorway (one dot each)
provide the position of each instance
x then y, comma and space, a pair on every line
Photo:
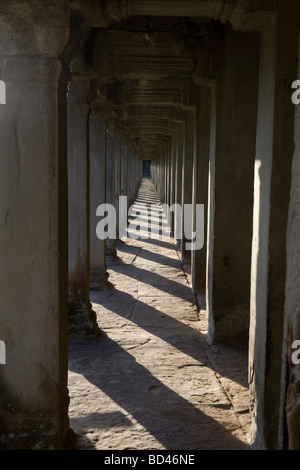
146, 168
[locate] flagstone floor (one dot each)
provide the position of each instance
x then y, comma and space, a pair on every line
151, 380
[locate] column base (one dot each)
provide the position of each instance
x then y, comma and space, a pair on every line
98, 279
83, 321
111, 252
231, 325
38, 430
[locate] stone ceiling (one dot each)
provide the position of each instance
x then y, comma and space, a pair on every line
147, 56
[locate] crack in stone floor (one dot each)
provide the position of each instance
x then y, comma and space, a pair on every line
151, 381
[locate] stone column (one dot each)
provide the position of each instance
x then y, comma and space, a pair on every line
33, 249
162, 175
178, 183
124, 168
138, 172
174, 142
231, 188
187, 182
129, 176
97, 128
201, 172
117, 182
290, 399
110, 181
82, 319
272, 192
168, 168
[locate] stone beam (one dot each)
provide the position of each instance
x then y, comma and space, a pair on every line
244, 15
127, 55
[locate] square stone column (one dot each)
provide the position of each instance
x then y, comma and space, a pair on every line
117, 182
110, 181
272, 194
97, 134
129, 177
231, 187
201, 174
174, 149
124, 169
178, 177
169, 169
290, 382
33, 253
82, 319
187, 183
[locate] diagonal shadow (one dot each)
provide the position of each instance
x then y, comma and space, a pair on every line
170, 418
153, 256
157, 322
159, 242
155, 280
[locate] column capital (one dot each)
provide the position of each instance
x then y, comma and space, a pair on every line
27, 70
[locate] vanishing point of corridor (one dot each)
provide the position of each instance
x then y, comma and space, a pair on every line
151, 380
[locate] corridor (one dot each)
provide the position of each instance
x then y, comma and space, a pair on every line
197, 348
151, 380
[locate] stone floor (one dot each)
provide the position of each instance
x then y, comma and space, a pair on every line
151, 380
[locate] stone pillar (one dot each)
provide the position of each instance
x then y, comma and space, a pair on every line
274, 152
129, 176
117, 182
291, 372
33, 249
110, 182
163, 176
166, 180
231, 188
97, 128
82, 319
187, 181
169, 169
174, 142
201, 172
124, 168
178, 183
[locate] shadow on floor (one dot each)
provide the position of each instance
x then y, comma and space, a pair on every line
173, 421
162, 325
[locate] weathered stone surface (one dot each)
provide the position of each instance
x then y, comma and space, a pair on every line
272, 191
34, 28
82, 320
33, 254
292, 303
